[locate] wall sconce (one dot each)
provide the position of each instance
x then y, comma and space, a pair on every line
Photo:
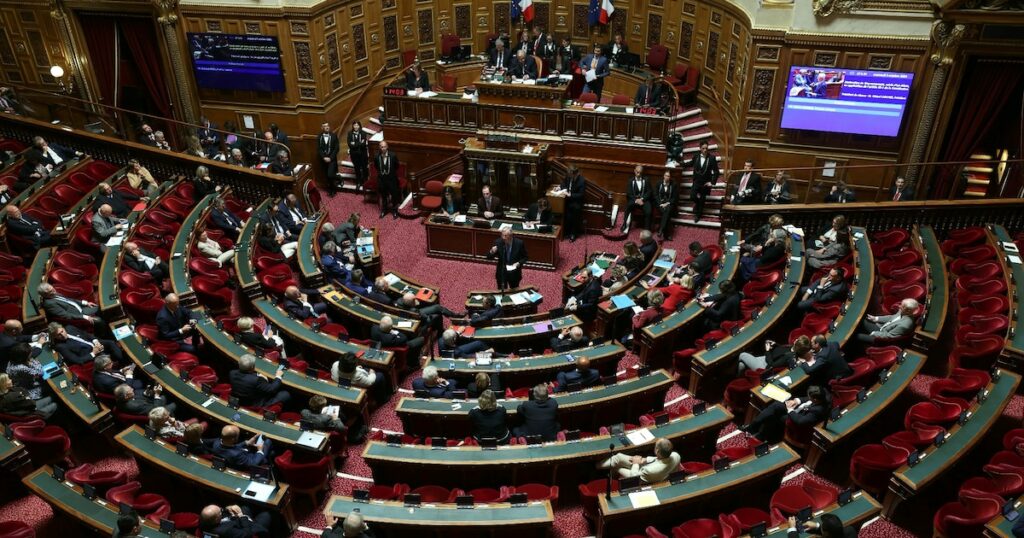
57, 72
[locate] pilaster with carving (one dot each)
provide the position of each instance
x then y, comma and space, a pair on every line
167, 16
947, 37
71, 52
827, 8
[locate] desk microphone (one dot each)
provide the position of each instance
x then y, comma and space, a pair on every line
608, 482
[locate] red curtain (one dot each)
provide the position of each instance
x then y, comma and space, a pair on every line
100, 33
140, 38
989, 85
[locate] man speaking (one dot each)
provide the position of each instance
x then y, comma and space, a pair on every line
511, 254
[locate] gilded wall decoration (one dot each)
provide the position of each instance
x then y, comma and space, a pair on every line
481, 21
27, 16
501, 15
826, 58
303, 60
359, 41
299, 28
374, 39
336, 83
35, 39
711, 60
252, 27
425, 25
14, 76
392, 62
542, 14
728, 96
736, 29
329, 20
464, 21
708, 82
620, 19
734, 52
356, 10
757, 126
880, 62
716, 18
306, 92
655, 3
689, 8
685, 39
407, 30
761, 90
388, 4
767, 53
653, 29
212, 26
391, 33
580, 21
333, 58
362, 72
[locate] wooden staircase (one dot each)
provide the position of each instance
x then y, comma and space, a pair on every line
979, 176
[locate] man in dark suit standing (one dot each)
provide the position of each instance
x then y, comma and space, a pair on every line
597, 64
539, 416
388, 187
705, 174
489, 206
584, 303
524, 66
501, 58
900, 192
27, 227
831, 287
574, 186
511, 254
327, 148
176, 324
667, 197
638, 195
748, 188
252, 389
223, 219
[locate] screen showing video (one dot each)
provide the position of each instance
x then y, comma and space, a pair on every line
852, 101
237, 62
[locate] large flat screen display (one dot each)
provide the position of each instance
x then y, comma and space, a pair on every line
237, 62
846, 100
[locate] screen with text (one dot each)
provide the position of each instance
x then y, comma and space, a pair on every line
852, 101
237, 62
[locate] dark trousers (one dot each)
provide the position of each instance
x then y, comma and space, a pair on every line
647, 209
770, 424
330, 173
432, 316
509, 280
665, 226
390, 195
361, 164
699, 194
573, 218
281, 397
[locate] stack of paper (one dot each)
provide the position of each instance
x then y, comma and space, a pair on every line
535, 297
641, 436
623, 301
518, 298
258, 491
364, 240
643, 499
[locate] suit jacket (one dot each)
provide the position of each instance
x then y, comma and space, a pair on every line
72, 350
239, 527
413, 82
390, 178
667, 196
7, 342
894, 326
225, 220
782, 197
141, 404
828, 364
645, 194
169, 323
463, 349
137, 265
528, 67
251, 389
564, 345
843, 197
437, 391
585, 379
484, 317
834, 291
389, 339
103, 228
906, 194
703, 263
378, 296
106, 382
812, 414
357, 147
118, 201
495, 207
539, 418
239, 457
508, 255
544, 217
649, 250
333, 267
647, 96
322, 421
588, 298
29, 228
576, 186
608, 51
706, 175
289, 221
59, 308
329, 148
297, 309
753, 185
506, 58
61, 151
256, 340
725, 308
601, 71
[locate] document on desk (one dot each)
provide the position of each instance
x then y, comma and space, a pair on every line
311, 440
364, 240
590, 75
601, 109
535, 297
403, 324
459, 219
115, 241
259, 492
639, 437
1013, 259
775, 392
392, 279
643, 499
623, 301
518, 298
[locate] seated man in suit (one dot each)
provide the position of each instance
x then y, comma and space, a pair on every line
272, 218
491, 310
334, 265
770, 424
300, 305
275, 242
385, 334
177, 324
450, 345
141, 403
105, 378
58, 307
416, 78
583, 374
235, 522
255, 452
379, 291
144, 261
723, 306
435, 385
321, 421
900, 192
489, 206
648, 93
79, 347
253, 389
501, 58
569, 339
223, 219
105, 226
117, 200
584, 303
700, 262
748, 188
831, 287
54, 155
291, 215
648, 246
357, 282
840, 194
266, 340
650, 469
539, 213
826, 362
431, 315
212, 250
539, 416
523, 66
27, 227
897, 325
282, 164
13, 334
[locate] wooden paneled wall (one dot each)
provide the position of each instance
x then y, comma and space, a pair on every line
30, 42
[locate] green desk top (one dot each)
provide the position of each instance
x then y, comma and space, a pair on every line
604, 260
1002, 527
776, 461
637, 288
938, 279
8, 448
860, 295
369, 314
404, 284
209, 405
935, 460
291, 378
191, 468
181, 248
475, 300
279, 318
1016, 341
861, 508
502, 332
108, 287
770, 314
566, 400
880, 396
537, 362
78, 401
36, 275
245, 246
97, 513
716, 416
729, 263
517, 226
442, 515
309, 266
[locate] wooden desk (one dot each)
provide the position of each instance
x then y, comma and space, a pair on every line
466, 72
13, 456
585, 410
550, 463
400, 284
938, 297
519, 176
245, 247
1000, 527
181, 251
860, 509
1013, 351
519, 335
94, 414
32, 317
526, 371
703, 495
475, 301
519, 94
611, 320
498, 520
366, 313
466, 242
907, 482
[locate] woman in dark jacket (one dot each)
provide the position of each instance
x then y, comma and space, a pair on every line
489, 419
15, 401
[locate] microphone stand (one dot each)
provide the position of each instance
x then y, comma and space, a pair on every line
608, 481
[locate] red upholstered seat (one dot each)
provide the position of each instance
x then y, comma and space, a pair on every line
872, 465
588, 97
589, 493
968, 516
16, 529
143, 503
621, 100
962, 383
888, 241
212, 293
697, 528
898, 260
432, 200
101, 480
537, 492
936, 411
308, 474
46, 445
657, 56
432, 494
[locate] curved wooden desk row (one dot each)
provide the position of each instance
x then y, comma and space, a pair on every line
550, 463
214, 408
711, 362
844, 326
35, 191
32, 317
13, 455
181, 250
467, 242
1013, 351
1000, 527
365, 313
526, 371
857, 416
584, 410
93, 413
938, 296
308, 254
907, 481
446, 520
245, 247
509, 307
658, 338
609, 316
858, 511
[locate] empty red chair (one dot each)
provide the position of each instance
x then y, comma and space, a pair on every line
748, 518
101, 480
908, 275
432, 494
883, 243
276, 283
1008, 478
872, 465
589, 493
588, 97
983, 272
967, 517
652, 532
163, 218
962, 383
980, 326
698, 528
936, 411
309, 475
883, 356
843, 395
899, 260
432, 200
1008, 457
737, 394
864, 373
962, 239
16, 529
537, 492
657, 56
46, 445
212, 293
203, 374
485, 495
387, 493
984, 288
981, 306
177, 206
141, 307
980, 354
1013, 438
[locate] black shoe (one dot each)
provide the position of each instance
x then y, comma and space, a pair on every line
395, 215
745, 428
381, 214
572, 238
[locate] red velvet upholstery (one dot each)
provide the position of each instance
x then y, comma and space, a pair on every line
46, 445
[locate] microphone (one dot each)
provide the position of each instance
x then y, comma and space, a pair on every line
608, 482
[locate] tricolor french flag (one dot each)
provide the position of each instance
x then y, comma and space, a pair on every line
601, 11
527, 8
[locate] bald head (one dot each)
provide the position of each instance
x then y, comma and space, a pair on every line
171, 301
292, 292
353, 525
229, 435
12, 327
210, 516
13, 212
386, 323
576, 333
106, 210
583, 364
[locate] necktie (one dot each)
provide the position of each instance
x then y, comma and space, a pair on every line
81, 340
500, 57
896, 197
508, 253
387, 162
743, 182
